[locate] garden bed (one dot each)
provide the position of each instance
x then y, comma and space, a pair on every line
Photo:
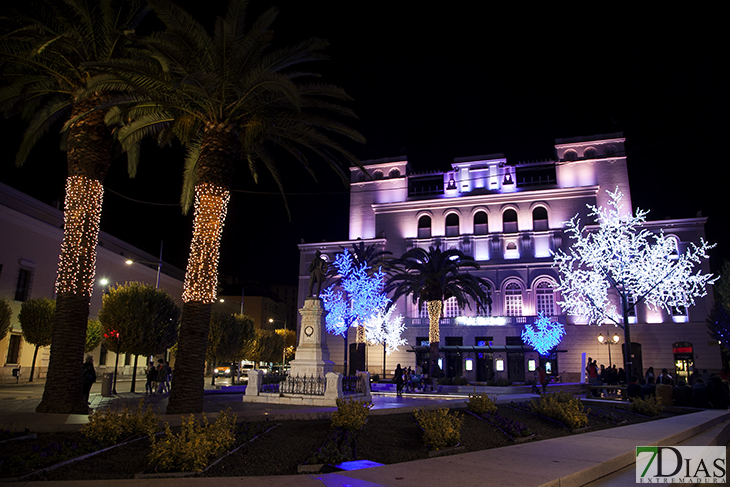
386, 439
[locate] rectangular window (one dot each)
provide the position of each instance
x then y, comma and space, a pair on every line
422, 341
451, 308
483, 341
513, 304
22, 288
545, 303
127, 359
454, 341
13, 350
513, 341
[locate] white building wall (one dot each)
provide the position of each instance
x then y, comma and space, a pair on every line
31, 238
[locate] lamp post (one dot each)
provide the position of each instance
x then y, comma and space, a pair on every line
272, 320
613, 341
158, 264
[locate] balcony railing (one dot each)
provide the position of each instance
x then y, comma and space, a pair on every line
484, 321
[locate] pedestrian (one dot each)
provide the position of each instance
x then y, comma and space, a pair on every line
161, 376
664, 375
151, 383
649, 373
398, 376
648, 389
593, 377
543, 378
88, 376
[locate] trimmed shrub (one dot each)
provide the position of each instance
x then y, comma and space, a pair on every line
195, 446
351, 414
440, 429
110, 426
562, 407
481, 404
651, 406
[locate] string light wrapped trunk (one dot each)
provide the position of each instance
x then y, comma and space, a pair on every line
214, 173
88, 158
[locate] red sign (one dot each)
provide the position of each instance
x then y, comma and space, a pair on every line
682, 350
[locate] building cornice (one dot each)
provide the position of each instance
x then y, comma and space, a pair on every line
340, 243
487, 199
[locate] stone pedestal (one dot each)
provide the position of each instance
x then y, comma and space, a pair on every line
312, 360
312, 356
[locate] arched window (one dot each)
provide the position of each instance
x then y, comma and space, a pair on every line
424, 227
378, 175
570, 155
394, 173
545, 298
539, 219
452, 225
509, 221
513, 299
451, 308
480, 223
590, 153
674, 247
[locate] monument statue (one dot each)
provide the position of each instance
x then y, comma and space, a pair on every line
317, 273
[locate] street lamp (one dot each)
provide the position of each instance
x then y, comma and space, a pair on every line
158, 264
272, 320
613, 341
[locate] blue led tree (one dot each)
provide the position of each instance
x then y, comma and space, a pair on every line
356, 298
544, 336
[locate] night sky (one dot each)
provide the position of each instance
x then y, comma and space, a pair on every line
433, 84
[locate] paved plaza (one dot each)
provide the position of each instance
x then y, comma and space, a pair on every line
597, 459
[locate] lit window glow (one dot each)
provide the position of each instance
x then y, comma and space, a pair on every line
480, 321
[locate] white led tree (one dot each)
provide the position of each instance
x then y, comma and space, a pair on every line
623, 258
356, 299
386, 329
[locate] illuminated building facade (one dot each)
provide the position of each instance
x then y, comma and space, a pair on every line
510, 217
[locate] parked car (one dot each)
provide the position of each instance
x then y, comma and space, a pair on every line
225, 370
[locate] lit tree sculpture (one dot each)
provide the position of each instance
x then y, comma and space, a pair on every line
360, 296
386, 329
636, 263
544, 336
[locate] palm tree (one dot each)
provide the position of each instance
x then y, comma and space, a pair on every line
229, 97
433, 276
44, 52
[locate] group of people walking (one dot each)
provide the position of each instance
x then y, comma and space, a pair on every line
158, 378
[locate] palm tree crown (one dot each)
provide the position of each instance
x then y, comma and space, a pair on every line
433, 276
228, 96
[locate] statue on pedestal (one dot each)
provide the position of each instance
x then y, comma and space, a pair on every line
317, 273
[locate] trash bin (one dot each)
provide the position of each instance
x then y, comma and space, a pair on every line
106, 383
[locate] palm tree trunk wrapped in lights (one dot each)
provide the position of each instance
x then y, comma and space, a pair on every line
89, 157
48, 54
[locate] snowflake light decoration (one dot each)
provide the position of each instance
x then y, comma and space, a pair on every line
544, 336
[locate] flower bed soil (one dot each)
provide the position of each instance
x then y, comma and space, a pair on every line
387, 439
